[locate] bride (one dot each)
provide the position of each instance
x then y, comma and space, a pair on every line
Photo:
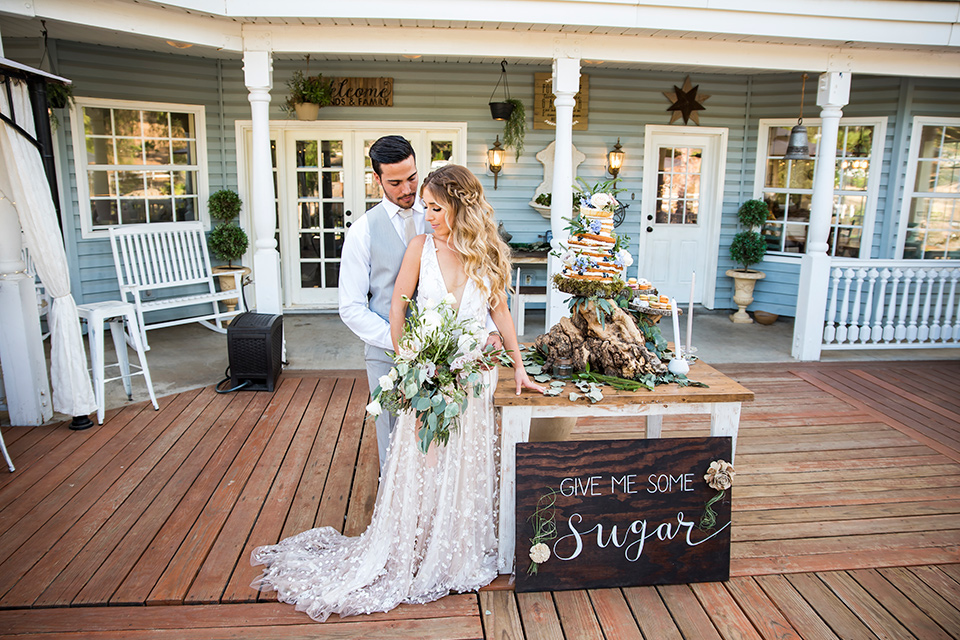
434, 525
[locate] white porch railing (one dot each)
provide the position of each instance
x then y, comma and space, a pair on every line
892, 304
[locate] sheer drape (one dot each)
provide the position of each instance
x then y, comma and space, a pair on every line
24, 181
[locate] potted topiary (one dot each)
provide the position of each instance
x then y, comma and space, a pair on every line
227, 241
748, 248
307, 95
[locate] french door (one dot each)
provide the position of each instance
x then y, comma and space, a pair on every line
682, 197
324, 183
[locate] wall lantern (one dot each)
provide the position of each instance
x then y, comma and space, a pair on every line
615, 160
495, 157
798, 146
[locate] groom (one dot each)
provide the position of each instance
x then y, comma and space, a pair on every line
372, 253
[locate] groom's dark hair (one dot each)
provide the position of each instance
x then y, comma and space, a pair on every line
389, 150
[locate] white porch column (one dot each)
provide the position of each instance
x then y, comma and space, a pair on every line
833, 93
25, 378
258, 76
566, 83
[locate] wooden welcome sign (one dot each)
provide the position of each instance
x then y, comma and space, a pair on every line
362, 92
627, 513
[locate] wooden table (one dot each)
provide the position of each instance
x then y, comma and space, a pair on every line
721, 400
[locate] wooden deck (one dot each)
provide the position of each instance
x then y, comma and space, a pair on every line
845, 517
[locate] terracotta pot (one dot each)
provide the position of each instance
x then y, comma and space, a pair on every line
744, 282
307, 110
228, 283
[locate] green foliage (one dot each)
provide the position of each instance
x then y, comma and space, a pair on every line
588, 288
224, 205
747, 248
308, 89
753, 213
516, 127
584, 190
59, 95
228, 242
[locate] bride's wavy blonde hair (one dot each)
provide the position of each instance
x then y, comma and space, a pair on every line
473, 228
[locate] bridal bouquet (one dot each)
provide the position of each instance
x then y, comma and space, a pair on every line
437, 367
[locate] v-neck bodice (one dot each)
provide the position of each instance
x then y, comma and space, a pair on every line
432, 286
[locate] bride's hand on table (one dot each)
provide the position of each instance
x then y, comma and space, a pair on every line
524, 382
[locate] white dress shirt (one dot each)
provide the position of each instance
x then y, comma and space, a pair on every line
354, 281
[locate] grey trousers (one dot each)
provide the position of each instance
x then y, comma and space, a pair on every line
379, 364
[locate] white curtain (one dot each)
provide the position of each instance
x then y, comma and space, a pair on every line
24, 181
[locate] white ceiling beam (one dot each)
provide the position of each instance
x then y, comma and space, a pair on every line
873, 21
147, 19
483, 43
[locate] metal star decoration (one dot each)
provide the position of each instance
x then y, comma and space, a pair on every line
686, 102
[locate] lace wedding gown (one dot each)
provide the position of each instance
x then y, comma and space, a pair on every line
434, 522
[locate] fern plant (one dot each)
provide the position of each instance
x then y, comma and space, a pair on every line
516, 127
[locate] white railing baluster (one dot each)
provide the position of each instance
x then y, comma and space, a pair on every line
854, 332
868, 306
830, 329
953, 328
845, 307
923, 331
936, 327
878, 326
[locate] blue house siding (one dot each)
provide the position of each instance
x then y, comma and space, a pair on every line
621, 103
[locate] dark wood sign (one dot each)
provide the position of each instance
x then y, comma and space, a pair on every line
627, 513
545, 112
362, 92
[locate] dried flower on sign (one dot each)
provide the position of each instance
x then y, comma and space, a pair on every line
719, 476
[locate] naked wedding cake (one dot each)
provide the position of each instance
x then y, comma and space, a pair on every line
594, 253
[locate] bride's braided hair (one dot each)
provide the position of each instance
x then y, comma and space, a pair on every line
473, 228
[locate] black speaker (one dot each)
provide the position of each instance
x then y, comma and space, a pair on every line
255, 348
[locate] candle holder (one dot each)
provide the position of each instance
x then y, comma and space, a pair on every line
678, 367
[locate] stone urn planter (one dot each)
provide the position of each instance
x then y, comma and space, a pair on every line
228, 283
743, 281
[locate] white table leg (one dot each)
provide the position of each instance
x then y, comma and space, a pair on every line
725, 421
654, 425
515, 427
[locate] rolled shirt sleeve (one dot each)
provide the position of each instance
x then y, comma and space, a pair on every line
354, 285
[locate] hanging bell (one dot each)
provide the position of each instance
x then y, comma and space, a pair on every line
798, 147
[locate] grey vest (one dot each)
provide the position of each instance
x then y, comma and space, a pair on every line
386, 256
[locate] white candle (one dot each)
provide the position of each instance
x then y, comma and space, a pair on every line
677, 349
693, 279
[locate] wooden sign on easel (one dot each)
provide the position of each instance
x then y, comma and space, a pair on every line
544, 111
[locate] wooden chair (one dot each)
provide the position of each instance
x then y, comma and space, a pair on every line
521, 296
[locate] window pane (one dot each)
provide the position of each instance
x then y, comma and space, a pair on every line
160, 210
798, 207
930, 139
850, 210
440, 152
949, 178
777, 140
332, 184
309, 215
104, 212
158, 184
129, 151
157, 151
310, 246
102, 183
100, 151
848, 242
96, 122
184, 183
852, 175
307, 184
331, 153
776, 174
372, 189
133, 211
333, 215
184, 152
332, 273
801, 174
186, 209
332, 244
181, 125
951, 144
796, 239
131, 183
310, 275
307, 154
155, 124
127, 122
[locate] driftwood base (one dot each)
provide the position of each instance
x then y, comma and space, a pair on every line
614, 347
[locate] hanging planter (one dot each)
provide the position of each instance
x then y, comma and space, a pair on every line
501, 110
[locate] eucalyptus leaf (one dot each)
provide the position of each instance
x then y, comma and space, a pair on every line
543, 377
574, 397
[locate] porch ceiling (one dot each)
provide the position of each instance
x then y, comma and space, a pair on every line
746, 37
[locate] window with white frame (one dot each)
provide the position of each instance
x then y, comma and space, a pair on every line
930, 220
786, 185
139, 162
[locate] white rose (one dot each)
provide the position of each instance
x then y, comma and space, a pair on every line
410, 348
374, 408
625, 257
430, 368
569, 257
431, 321
428, 303
601, 200
393, 375
539, 553
385, 382
450, 299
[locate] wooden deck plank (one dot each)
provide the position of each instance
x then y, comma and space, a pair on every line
79, 520
925, 598
179, 575
227, 550
765, 616
329, 420
363, 495
577, 616
687, 611
651, 613
873, 614
238, 420
798, 611
907, 613
333, 504
727, 616
500, 616
843, 621
614, 615
834, 513
538, 615
276, 505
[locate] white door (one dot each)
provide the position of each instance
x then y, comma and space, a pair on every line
682, 197
327, 183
